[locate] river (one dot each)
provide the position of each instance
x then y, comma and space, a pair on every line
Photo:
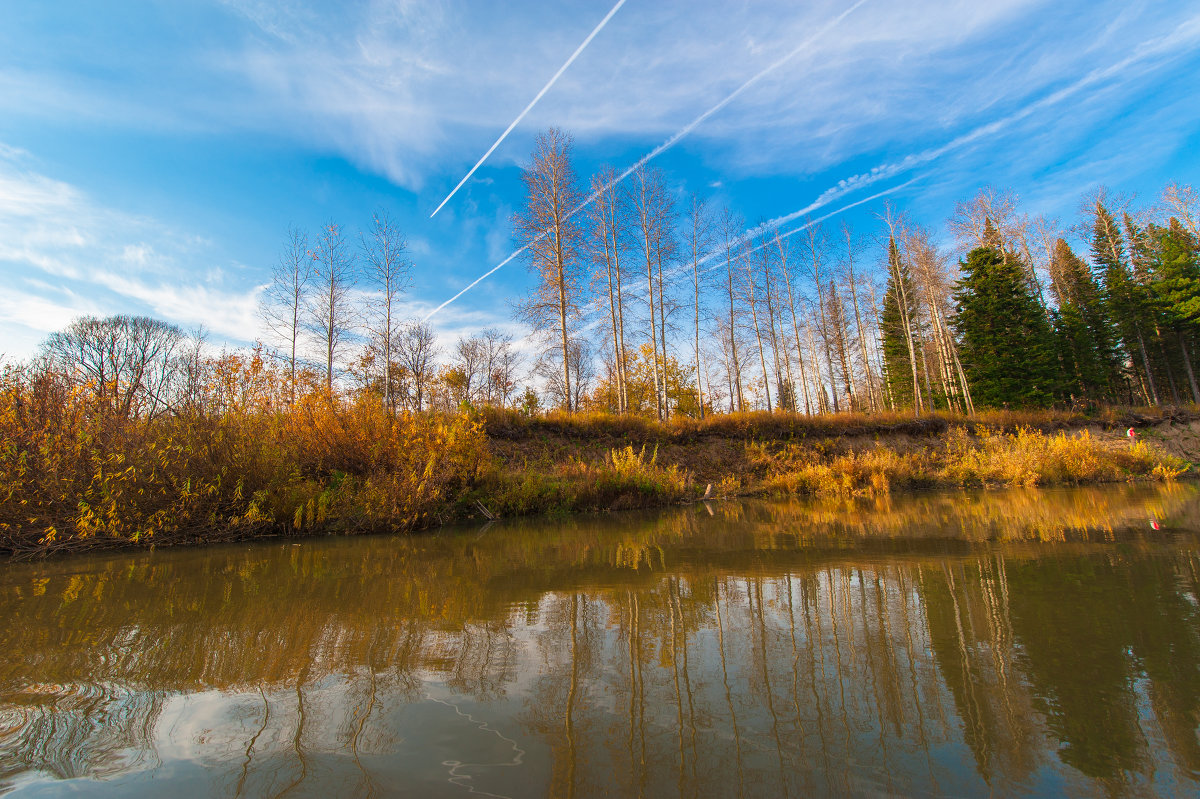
1026, 642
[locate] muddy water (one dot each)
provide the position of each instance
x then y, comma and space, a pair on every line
1010, 643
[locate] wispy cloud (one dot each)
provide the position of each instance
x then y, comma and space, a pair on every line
553, 79
63, 255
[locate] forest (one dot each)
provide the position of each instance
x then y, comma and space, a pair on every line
671, 356
647, 302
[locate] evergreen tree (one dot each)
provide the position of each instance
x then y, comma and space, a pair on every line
1175, 272
1087, 341
1176, 275
1157, 327
1007, 344
1124, 298
899, 309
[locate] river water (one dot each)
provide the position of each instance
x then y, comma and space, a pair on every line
1041, 643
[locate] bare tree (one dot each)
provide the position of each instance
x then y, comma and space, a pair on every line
853, 288
501, 362
471, 356
331, 313
699, 236
815, 249
1183, 203
552, 237
932, 279
785, 268
126, 361
732, 253
283, 303
387, 269
654, 212
581, 372
750, 295
417, 351
607, 221
992, 209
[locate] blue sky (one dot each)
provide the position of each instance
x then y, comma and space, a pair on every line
152, 154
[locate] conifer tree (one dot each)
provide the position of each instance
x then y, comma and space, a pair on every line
895, 320
1123, 296
1089, 344
1176, 285
1007, 345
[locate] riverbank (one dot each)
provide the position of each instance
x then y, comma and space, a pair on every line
560, 463
73, 476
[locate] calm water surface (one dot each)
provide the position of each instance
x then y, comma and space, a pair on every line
1005, 643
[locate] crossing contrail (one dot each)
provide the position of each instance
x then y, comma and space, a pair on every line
660, 149
532, 103
826, 199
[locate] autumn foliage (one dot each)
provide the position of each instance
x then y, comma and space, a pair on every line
239, 460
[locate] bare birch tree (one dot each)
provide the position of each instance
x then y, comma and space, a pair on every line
732, 253
653, 213
283, 304
699, 243
786, 269
607, 221
331, 314
853, 288
815, 249
387, 269
553, 240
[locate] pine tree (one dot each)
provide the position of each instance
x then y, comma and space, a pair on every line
899, 310
1007, 345
1123, 297
1088, 342
1175, 273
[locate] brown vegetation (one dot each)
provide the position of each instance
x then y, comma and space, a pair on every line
234, 456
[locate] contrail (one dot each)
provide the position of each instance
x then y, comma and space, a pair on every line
481, 278
669, 143
764, 227
782, 220
532, 103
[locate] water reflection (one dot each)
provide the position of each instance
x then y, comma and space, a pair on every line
1015, 643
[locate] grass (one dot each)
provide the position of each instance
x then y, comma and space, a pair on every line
508, 424
987, 457
75, 475
626, 478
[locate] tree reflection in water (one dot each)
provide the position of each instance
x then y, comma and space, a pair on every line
1016, 643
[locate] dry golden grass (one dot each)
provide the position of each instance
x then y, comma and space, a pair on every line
990, 457
760, 425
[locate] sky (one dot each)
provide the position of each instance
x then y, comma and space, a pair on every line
154, 154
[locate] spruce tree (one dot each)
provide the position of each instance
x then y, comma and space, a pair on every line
1008, 348
1088, 342
1175, 281
899, 310
1124, 298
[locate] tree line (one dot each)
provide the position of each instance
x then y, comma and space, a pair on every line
647, 301
337, 295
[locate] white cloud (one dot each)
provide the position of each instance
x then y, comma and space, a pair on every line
63, 255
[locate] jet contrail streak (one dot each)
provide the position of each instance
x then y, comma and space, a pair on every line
749, 234
660, 149
481, 278
695, 123
775, 223
532, 103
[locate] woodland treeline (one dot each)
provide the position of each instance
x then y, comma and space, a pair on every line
649, 304
645, 303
